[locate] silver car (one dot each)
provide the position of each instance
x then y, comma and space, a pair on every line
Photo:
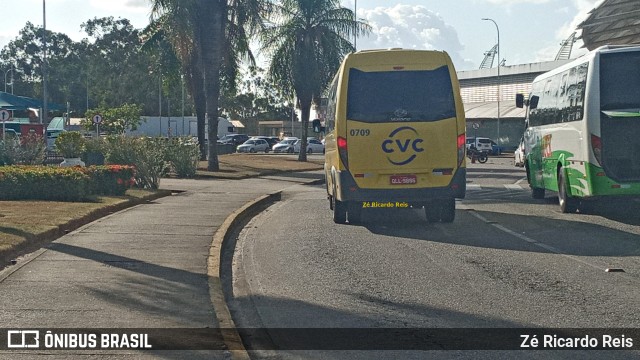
253, 146
284, 146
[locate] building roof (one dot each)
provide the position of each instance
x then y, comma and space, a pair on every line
489, 110
612, 22
236, 123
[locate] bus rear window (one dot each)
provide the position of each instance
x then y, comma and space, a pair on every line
386, 96
620, 80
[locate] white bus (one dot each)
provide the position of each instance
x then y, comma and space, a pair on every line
583, 129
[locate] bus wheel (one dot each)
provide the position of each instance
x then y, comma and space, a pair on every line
567, 203
339, 209
448, 211
432, 211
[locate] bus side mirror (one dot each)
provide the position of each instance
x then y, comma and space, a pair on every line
317, 127
533, 102
520, 100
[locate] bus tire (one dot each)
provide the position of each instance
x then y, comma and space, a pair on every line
567, 203
329, 195
432, 211
448, 210
339, 210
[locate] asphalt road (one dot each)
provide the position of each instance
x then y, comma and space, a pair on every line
507, 261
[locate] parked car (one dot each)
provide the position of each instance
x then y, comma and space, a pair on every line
518, 155
235, 139
285, 146
495, 148
272, 140
254, 145
481, 143
313, 146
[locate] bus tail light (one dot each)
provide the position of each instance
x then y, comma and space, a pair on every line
342, 150
462, 143
596, 146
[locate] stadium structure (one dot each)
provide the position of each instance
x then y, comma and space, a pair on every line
614, 22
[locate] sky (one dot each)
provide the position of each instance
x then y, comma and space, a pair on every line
530, 30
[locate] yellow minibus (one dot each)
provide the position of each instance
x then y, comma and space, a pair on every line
395, 134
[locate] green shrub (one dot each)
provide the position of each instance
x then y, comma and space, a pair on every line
63, 184
110, 179
95, 151
43, 183
147, 155
183, 154
70, 144
26, 150
5, 159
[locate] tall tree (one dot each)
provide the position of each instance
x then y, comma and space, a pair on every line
307, 42
105, 69
217, 30
24, 56
174, 24
119, 71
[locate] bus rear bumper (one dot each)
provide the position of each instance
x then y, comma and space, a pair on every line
349, 191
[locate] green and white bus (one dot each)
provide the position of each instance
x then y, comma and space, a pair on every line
582, 137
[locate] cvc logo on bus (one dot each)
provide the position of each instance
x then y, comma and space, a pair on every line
404, 141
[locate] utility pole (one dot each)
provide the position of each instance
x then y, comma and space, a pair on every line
499, 64
44, 64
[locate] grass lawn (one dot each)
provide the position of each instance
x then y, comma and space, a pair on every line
29, 224
243, 165
23, 221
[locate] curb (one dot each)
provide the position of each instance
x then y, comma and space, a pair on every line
230, 336
37, 241
249, 176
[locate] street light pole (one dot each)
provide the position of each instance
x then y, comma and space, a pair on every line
499, 61
182, 89
44, 63
6, 72
355, 30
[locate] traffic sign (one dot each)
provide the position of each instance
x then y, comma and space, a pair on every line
475, 126
5, 115
97, 119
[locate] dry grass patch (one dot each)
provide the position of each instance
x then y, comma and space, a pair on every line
24, 220
242, 165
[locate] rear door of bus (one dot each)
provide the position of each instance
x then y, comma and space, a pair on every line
401, 126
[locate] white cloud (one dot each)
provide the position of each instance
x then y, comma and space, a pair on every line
126, 6
410, 27
516, 2
581, 8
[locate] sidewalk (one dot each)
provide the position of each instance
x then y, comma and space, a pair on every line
143, 267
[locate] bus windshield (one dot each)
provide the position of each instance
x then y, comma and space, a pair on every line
388, 96
620, 81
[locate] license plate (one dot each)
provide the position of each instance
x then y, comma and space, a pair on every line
403, 179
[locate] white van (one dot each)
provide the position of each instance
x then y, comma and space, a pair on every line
481, 143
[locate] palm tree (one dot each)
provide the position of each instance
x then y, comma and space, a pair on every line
307, 43
216, 34
175, 29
